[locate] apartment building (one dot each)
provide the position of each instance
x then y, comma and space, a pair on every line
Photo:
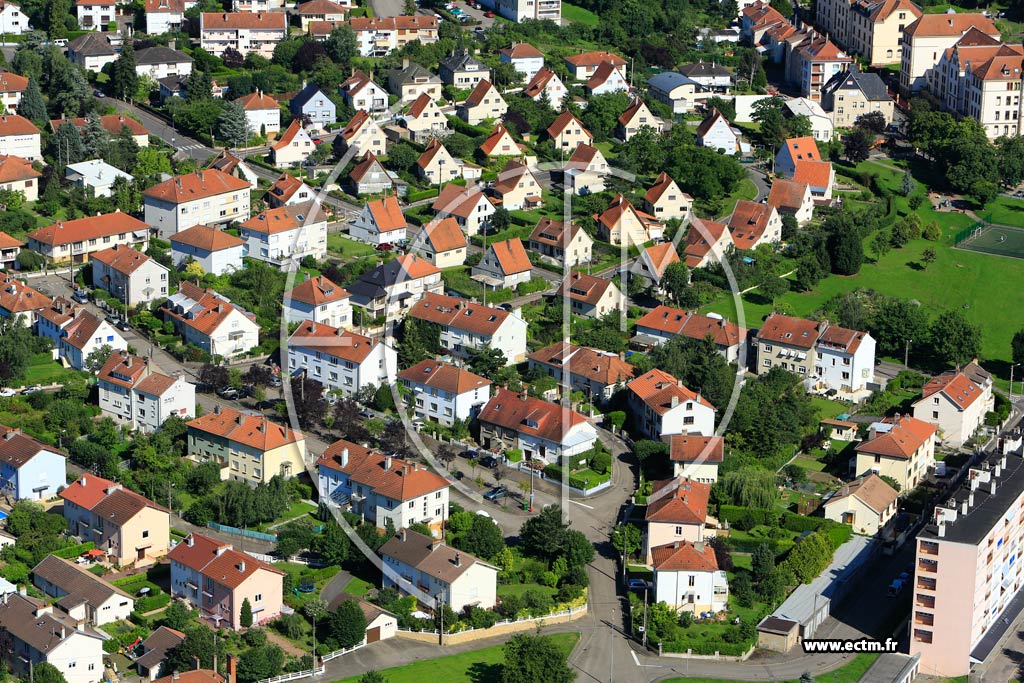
788, 343
245, 32
925, 40
901, 447
246, 447
845, 360
444, 393
379, 36
94, 15
540, 429
131, 393
852, 93
207, 197
75, 241
129, 275
340, 360
469, 326
870, 28
661, 405
816, 62
211, 322
166, 16
286, 234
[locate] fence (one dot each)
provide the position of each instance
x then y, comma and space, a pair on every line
258, 535
571, 612
338, 653
296, 675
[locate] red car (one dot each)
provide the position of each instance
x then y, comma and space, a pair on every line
385, 247
489, 14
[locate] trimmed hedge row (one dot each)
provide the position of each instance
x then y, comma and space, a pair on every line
421, 194
734, 513
74, 550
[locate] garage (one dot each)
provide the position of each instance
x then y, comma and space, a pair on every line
372, 635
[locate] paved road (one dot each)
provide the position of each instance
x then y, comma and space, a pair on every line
159, 127
387, 8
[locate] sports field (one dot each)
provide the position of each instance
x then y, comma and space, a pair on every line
995, 239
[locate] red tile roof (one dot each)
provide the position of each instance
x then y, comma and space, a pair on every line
662, 183
476, 97
586, 288
444, 235
784, 329
217, 561
841, 339
315, 7
529, 415
679, 500
443, 376
497, 135
285, 218
659, 390
455, 200
12, 82
232, 21
950, 25
13, 169
683, 556
8, 242
521, 51
539, 82
511, 256
955, 386
702, 237
595, 59
16, 297
112, 124
552, 233
121, 258
907, 435
92, 492
405, 22
459, 313
294, 128
604, 72
123, 369
433, 148
285, 187
387, 214
661, 256
563, 121
91, 227
748, 222
82, 330
196, 185
257, 100
804, 148
12, 124
210, 309
255, 431
317, 291
206, 238
814, 173
598, 366
787, 194
333, 341
695, 448
16, 448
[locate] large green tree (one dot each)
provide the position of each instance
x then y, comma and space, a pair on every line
534, 659
233, 125
347, 625
124, 79
32, 105
954, 340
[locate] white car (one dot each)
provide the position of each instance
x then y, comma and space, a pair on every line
31, 390
7, 392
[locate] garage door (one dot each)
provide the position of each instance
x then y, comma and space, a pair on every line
373, 634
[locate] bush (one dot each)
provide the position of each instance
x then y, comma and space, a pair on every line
735, 513
601, 462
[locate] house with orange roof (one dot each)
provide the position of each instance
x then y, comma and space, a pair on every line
927, 38
216, 251
129, 528
134, 394
753, 224
591, 296
664, 323
665, 201
716, 133
501, 143
636, 116
217, 580
546, 83
12, 85
607, 78
598, 374
29, 468
340, 360
379, 36
566, 244
17, 175
166, 16
845, 361
19, 137
956, 403
661, 405
817, 61
586, 170
262, 112
651, 265
793, 198
114, 124
207, 197
320, 10
795, 150
437, 165
677, 510
696, 457
425, 120
756, 19
74, 241
707, 242
319, 300
866, 504
789, 343
504, 265
292, 148
872, 28
524, 58
84, 334
484, 103
18, 300
363, 134
819, 176
441, 242
286, 234
129, 275
390, 290
540, 429
622, 223
516, 187
687, 578
380, 222
211, 322
246, 447
369, 176
248, 32
228, 163
568, 132
468, 326
584, 64
470, 207
288, 190
361, 92
9, 250
901, 447
444, 393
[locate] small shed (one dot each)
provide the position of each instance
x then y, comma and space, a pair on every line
777, 634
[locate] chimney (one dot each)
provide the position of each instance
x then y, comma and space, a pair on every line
128, 362
216, 409
174, 676
405, 62
458, 559
190, 541
344, 457
241, 566
675, 401
240, 419
22, 591
942, 529
232, 669
402, 535
172, 44
197, 663
387, 463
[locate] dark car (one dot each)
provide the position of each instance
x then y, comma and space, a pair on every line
458, 475
470, 454
81, 296
638, 585
489, 461
123, 325
387, 246
496, 493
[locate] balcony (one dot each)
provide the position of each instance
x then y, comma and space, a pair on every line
926, 584
928, 566
928, 548
925, 601
924, 619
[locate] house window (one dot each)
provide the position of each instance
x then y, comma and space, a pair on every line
145, 533
693, 581
679, 531
258, 597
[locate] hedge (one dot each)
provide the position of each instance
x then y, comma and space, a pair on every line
734, 513
74, 550
421, 194
749, 545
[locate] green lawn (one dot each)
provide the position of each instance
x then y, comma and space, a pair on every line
44, 370
579, 15
347, 248
848, 673
476, 666
518, 589
358, 587
741, 561
298, 509
828, 409
746, 190
1004, 211
809, 463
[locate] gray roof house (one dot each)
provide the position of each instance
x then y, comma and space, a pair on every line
462, 70
312, 103
155, 649
81, 594
870, 84
163, 61
412, 80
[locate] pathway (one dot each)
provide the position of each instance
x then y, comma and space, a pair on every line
288, 646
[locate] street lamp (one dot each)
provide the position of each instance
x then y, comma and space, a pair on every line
906, 352
1011, 380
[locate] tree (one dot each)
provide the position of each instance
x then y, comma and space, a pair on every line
257, 663
347, 625
627, 539
483, 538
676, 280
32, 105
17, 344
908, 185
846, 251
245, 615
214, 376
95, 138
1011, 157
375, 676
750, 487
44, 672
308, 401
954, 340
333, 544
762, 562
534, 659
177, 615
95, 360
773, 286
233, 125
67, 145
857, 146
928, 256
891, 482
487, 361
543, 535
1017, 347
806, 677
124, 80
873, 122
881, 243
341, 45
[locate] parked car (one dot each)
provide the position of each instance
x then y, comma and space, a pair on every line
470, 454
31, 390
229, 394
496, 493
98, 93
122, 325
275, 381
385, 247
489, 461
638, 585
489, 14
458, 475
367, 414
81, 296
7, 392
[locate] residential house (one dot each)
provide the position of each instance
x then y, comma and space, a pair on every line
866, 504
34, 632
822, 128
677, 510
216, 251
17, 175
926, 39
437, 165
636, 116
293, 147
524, 58
161, 62
131, 393
753, 224
852, 93
360, 92
312, 105
228, 163
841, 430
462, 70
845, 361
716, 133
546, 83
18, 300
901, 447
114, 124
664, 323
566, 244
92, 51
362, 134
288, 190
425, 120
340, 360
129, 275
567, 132
29, 469
501, 143
379, 36
9, 250
129, 528
591, 296
50, 321
650, 267
621, 223
523, 10
793, 198
817, 61
444, 393
318, 300
441, 242
154, 651
380, 222
468, 326
451, 576
79, 593
207, 197
707, 242
687, 578
695, 457
411, 81
540, 429
217, 580
390, 290
485, 103
319, 10
787, 342
504, 265
12, 85
661, 405
287, 234
12, 20
665, 201
871, 28
585, 64
166, 16
586, 170
75, 241
211, 322
470, 208
516, 187
956, 403
382, 489
795, 150
710, 76
598, 374
674, 90
95, 174
245, 32
94, 15
246, 447
83, 335
369, 176
607, 79
262, 112
819, 176
19, 137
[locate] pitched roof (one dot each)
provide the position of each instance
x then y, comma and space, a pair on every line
586, 288
202, 310
443, 376
157, 645
285, 187
661, 184
90, 227
123, 369
950, 25
901, 440
206, 238
509, 177
531, 416
521, 51
365, 165
218, 561
748, 222
316, 291
661, 256
315, 7
405, 22
196, 185
476, 97
455, 200
255, 431
91, 44
402, 269
112, 124
841, 339
632, 110
255, 101
709, 122
871, 490
761, 13
684, 556
821, 49
285, 218
156, 384
82, 330
333, 341
563, 121
601, 75
355, 124
539, 82
12, 82
583, 156
17, 448
433, 148
459, 313
35, 623
164, 6
13, 169
418, 106
108, 499
784, 329
702, 69
619, 206
693, 325
294, 128
680, 500
496, 136
595, 365
386, 214
17, 297
695, 448
595, 59
412, 73
814, 173
552, 233
339, 454
429, 557
161, 55
955, 386
787, 194
444, 235
121, 258
871, 84
805, 148
702, 237
461, 60
232, 21
662, 392
8, 242
511, 256
354, 83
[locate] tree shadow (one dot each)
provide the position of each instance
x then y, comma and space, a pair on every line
914, 265
480, 672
